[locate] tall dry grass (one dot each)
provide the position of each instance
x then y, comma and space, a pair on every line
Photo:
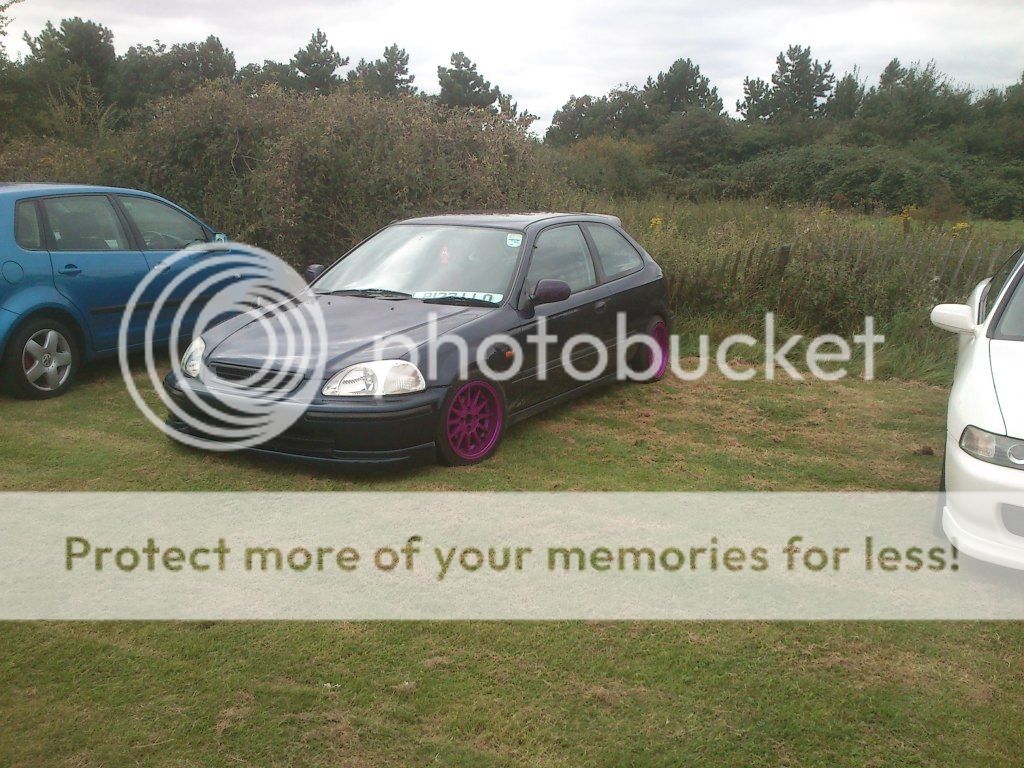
819, 271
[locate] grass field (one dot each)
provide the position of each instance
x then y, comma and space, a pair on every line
509, 694
713, 434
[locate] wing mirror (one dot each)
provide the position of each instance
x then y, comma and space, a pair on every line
958, 318
220, 237
313, 271
550, 291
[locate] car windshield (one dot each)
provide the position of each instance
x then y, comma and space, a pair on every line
436, 263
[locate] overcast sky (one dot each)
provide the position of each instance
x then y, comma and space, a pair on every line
543, 51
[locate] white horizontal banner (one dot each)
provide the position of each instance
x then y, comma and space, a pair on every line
498, 556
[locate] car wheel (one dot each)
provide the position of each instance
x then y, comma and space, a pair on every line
657, 330
41, 360
472, 422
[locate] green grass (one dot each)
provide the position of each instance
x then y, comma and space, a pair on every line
708, 435
546, 694
511, 694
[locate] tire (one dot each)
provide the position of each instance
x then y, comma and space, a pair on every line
41, 360
657, 329
471, 423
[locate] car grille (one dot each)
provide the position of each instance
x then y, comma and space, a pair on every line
264, 381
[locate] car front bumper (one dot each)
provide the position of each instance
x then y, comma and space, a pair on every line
983, 514
355, 432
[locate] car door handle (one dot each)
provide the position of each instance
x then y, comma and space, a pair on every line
69, 269
601, 306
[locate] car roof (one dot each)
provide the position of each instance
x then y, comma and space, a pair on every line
518, 221
20, 188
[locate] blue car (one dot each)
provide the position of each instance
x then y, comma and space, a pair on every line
70, 258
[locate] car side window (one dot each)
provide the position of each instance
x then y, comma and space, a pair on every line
562, 254
84, 223
616, 254
1011, 318
995, 286
26, 226
162, 227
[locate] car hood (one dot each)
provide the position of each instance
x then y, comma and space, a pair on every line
1007, 359
353, 326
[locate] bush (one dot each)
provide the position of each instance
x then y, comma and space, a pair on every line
38, 159
356, 163
307, 176
886, 177
619, 167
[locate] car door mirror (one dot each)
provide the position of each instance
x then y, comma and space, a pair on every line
958, 318
220, 237
313, 271
550, 291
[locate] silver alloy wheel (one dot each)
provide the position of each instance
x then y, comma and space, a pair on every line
46, 360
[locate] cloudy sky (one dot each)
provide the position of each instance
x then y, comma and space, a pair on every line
543, 51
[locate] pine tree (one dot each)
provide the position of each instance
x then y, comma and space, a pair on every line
893, 74
463, 86
5, 6
847, 97
386, 77
680, 88
800, 85
757, 100
317, 63
799, 89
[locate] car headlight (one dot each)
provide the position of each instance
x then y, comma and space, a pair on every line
380, 377
192, 360
995, 449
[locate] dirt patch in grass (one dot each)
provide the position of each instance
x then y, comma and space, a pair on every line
235, 714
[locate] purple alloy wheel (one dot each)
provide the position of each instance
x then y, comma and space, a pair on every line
474, 419
660, 335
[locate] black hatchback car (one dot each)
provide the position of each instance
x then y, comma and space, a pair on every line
492, 280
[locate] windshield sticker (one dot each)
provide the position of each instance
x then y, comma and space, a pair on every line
493, 298
513, 240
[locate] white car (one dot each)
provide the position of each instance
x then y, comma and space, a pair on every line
985, 422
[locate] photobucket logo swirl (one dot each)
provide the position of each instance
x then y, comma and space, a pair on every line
236, 288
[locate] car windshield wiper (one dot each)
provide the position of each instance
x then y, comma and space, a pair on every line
462, 301
375, 293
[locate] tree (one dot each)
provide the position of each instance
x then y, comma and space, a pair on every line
5, 6
76, 50
847, 97
385, 77
695, 141
195, 63
680, 88
6, 97
911, 102
462, 86
317, 63
509, 110
800, 87
571, 122
147, 72
623, 113
257, 76
757, 100
892, 76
